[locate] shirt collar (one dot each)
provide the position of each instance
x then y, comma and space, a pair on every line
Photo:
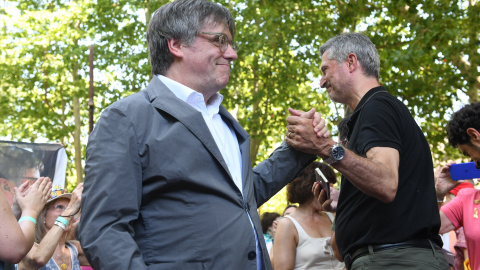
191, 96
367, 96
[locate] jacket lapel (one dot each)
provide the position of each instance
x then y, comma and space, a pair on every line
164, 100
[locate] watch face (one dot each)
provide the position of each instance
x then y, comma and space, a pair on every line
338, 152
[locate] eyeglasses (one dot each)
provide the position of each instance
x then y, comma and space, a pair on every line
59, 208
222, 41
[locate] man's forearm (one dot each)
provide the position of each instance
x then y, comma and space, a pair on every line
369, 176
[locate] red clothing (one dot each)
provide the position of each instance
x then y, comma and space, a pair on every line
463, 185
462, 211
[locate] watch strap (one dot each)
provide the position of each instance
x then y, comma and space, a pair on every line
330, 160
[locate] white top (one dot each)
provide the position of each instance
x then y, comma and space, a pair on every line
314, 253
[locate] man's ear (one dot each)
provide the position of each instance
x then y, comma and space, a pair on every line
175, 47
473, 134
352, 62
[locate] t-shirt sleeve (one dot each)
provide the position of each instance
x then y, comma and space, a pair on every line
454, 211
381, 126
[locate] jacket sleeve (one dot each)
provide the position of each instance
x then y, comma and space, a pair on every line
112, 194
272, 174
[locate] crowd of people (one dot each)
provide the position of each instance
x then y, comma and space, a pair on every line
169, 182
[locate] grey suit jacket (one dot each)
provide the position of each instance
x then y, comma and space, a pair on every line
158, 194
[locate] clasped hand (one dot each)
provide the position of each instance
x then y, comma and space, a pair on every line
308, 132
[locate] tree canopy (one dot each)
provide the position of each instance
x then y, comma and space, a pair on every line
429, 54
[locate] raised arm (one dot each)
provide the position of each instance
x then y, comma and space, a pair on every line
39, 255
375, 175
17, 238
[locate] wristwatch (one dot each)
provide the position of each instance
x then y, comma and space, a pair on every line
337, 152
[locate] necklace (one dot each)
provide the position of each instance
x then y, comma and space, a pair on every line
63, 265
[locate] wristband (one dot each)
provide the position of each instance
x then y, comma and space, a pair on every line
28, 218
62, 220
60, 224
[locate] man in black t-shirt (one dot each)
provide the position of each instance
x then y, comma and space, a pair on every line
387, 214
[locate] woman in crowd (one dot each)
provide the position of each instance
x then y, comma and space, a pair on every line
17, 238
461, 211
302, 239
289, 209
51, 250
269, 226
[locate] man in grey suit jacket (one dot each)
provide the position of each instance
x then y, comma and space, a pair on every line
169, 183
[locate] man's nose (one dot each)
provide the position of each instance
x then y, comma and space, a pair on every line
230, 53
322, 82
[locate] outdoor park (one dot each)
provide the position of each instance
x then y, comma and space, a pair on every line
55, 52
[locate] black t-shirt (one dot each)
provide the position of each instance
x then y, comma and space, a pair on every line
381, 120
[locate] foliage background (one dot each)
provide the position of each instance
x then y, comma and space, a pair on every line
429, 52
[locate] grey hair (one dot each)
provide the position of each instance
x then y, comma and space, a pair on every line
181, 20
340, 46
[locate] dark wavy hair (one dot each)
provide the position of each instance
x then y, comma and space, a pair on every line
267, 220
466, 117
300, 189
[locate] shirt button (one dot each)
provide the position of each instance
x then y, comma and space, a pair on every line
252, 255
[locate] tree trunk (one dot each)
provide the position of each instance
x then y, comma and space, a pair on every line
76, 140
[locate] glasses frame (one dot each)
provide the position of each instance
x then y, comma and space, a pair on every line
58, 208
223, 41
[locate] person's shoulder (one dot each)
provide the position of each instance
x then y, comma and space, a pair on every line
468, 192
131, 103
286, 226
384, 95
286, 221
135, 98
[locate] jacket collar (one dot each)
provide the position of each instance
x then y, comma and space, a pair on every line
164, 100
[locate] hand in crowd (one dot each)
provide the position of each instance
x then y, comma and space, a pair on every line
334, 194
307, 132
443, 181
75, 202
32, 198
329, 205
274, 226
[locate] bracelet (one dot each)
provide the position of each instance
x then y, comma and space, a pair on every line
62, 220
28, 218
71, 214
61, 225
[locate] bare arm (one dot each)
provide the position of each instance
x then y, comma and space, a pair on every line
284, 247
17, 237
39, 255
336, 252
447, 225
376, 175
